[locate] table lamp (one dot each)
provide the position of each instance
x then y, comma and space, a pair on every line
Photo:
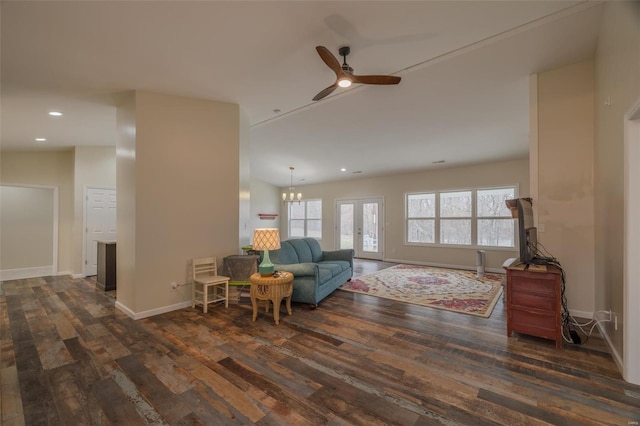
266, 239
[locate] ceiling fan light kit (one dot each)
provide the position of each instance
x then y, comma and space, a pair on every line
344, 73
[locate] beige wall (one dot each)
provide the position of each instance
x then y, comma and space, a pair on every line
265, 198
71, 171
49, 168
245, 230
393, 187
180, 190
617, 67
28, 230
126, 201
94, 167
565, 204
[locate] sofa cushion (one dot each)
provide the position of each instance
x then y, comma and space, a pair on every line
316, 250
324, 274
343, 265
333, 267
302, 250
285, 255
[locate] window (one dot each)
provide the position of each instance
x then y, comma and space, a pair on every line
421, 214
470, 217
455, 217
305, 219
495, 225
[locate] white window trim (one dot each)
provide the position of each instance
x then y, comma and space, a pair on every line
474, 219
305, 219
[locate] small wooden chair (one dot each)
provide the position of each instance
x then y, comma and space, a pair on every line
208, 286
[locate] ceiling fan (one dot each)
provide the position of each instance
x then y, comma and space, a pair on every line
344, 73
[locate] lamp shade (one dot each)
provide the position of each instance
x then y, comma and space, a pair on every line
266, 239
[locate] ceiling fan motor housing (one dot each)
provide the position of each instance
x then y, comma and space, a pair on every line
344, 50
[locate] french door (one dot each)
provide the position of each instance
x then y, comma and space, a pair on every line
360, 227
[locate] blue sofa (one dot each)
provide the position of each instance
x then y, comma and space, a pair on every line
317, 273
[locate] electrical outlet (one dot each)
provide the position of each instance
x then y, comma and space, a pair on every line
174, 285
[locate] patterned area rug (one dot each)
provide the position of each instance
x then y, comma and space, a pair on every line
450, 289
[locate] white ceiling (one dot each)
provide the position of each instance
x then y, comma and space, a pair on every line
464, 67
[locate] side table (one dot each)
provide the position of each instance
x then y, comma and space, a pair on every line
271, 289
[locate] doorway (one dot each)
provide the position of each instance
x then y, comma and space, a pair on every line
100, 224
29, 237
360, 227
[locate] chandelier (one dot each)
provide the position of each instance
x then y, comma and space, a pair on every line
291, 195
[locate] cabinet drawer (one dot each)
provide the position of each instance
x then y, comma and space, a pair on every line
533, 286
538, 301
541, 325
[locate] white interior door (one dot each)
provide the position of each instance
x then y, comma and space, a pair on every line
100, 223
360, 227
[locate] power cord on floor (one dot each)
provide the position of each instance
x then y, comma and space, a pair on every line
593, 323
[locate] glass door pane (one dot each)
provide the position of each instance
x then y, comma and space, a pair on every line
370, 227
346, 225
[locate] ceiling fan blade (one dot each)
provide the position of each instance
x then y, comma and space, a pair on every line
329, 59
376, 79
325, 92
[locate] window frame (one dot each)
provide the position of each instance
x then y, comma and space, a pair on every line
436, 223
470, 218
478, 218
474, 219
305, 220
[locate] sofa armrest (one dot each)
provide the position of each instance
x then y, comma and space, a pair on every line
299, 269
346, 254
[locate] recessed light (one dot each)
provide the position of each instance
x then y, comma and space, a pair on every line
41, 139
343, 169
55, 113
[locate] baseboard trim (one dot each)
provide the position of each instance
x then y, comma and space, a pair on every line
76, 276
152, 312
614, 353
63, 273
23, 273
444, 265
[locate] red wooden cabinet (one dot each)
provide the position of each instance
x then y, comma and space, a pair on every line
534, 301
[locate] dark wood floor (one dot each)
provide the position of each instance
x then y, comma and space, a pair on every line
69, 358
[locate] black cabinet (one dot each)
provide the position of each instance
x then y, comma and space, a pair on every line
106, 279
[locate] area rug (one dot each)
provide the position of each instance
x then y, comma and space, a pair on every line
450, 289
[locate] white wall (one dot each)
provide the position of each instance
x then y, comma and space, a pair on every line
178, 195
393, 188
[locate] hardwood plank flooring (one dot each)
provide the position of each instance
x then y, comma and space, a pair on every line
68, 357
